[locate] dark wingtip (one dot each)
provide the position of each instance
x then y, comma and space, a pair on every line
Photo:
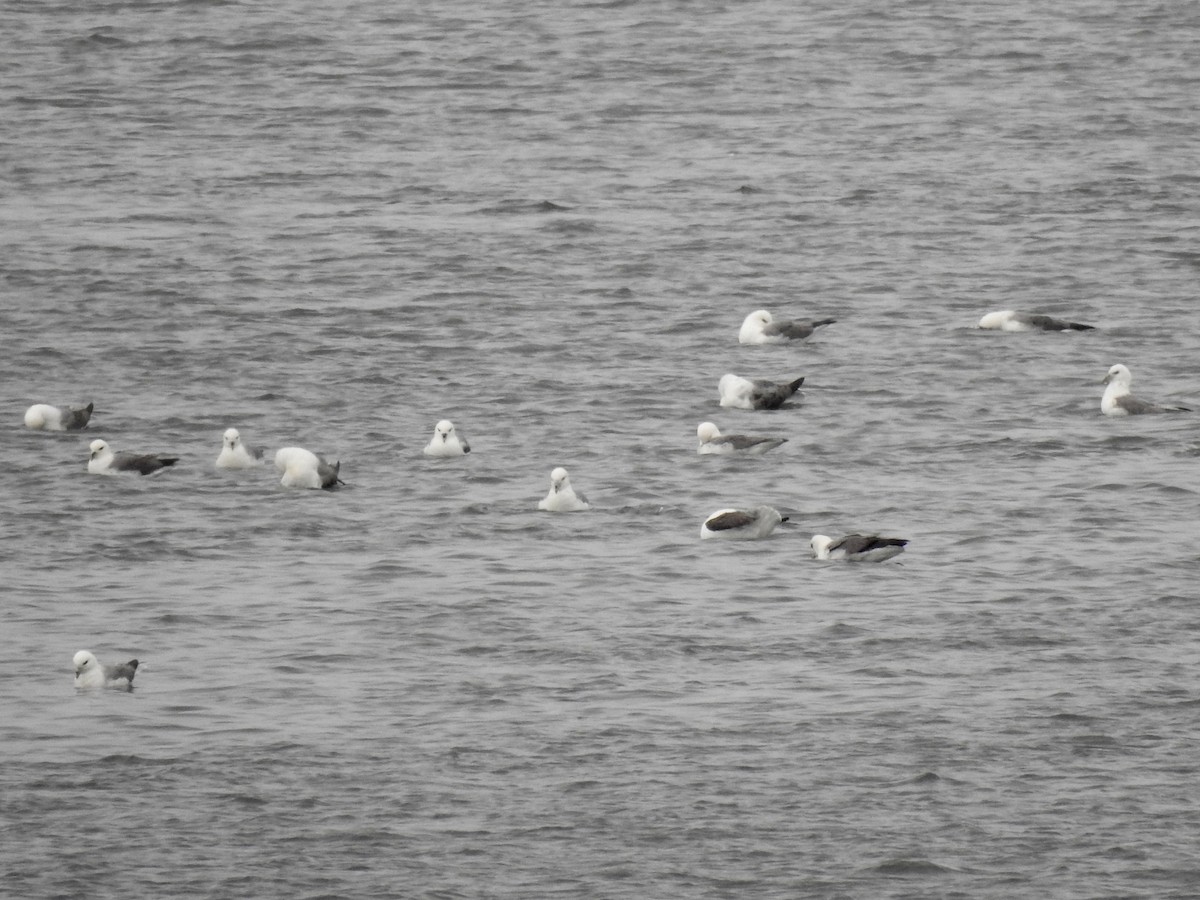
168, 460
1079, 326
821, 322
795, 385
133, 664
784, 518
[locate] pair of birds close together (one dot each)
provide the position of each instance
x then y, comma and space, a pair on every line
1118, 399
447, 442
760, 327
301, 468
752, 524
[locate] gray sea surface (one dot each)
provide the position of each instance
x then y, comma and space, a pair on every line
332, 225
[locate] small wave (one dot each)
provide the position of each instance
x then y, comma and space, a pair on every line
904, 867
572, 226
522, 207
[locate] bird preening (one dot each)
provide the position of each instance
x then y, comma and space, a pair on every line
755, 393
44, 417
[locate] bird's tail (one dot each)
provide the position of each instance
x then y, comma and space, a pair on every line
77, 419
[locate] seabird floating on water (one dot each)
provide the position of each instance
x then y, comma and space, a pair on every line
760, 327
712, 441
753, 393
562, 497
857, 547
304, 469
235, 454
103, 461
741, 524
446, 441
1011, 320
1118, 401
44, 417
90, 674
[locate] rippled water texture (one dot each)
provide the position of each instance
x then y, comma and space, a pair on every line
332, 225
